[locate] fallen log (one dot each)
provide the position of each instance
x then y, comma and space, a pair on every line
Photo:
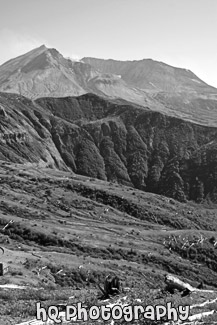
33, 254
192, 320
10, 222
174, 283
200, 315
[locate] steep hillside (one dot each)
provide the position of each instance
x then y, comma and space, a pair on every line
135, 146
22, 137
61, 234
112, 141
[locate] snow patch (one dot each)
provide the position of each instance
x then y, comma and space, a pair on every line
196, 81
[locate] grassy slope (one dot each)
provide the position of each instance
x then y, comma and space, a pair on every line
90, 228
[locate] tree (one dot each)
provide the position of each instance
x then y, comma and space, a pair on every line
172, 185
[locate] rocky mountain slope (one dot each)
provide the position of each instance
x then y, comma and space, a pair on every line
177, 92
22, 137
152, 75
111, 141
45, 72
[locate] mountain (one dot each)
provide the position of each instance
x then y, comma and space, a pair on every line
112, 141
44, 72
174, 91
90, 185
152, 75
62, 232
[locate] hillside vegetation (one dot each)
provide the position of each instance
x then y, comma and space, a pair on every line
68, 232
112, 141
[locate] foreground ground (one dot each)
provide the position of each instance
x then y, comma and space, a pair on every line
68, 232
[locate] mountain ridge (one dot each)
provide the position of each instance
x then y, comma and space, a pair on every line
127, 69
112, 141
44, 72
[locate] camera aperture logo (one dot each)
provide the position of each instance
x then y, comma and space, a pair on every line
116, 312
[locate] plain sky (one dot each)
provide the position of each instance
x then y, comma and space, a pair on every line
182, 33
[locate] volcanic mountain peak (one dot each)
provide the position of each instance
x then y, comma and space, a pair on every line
44, 72
24, 58
151, 75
